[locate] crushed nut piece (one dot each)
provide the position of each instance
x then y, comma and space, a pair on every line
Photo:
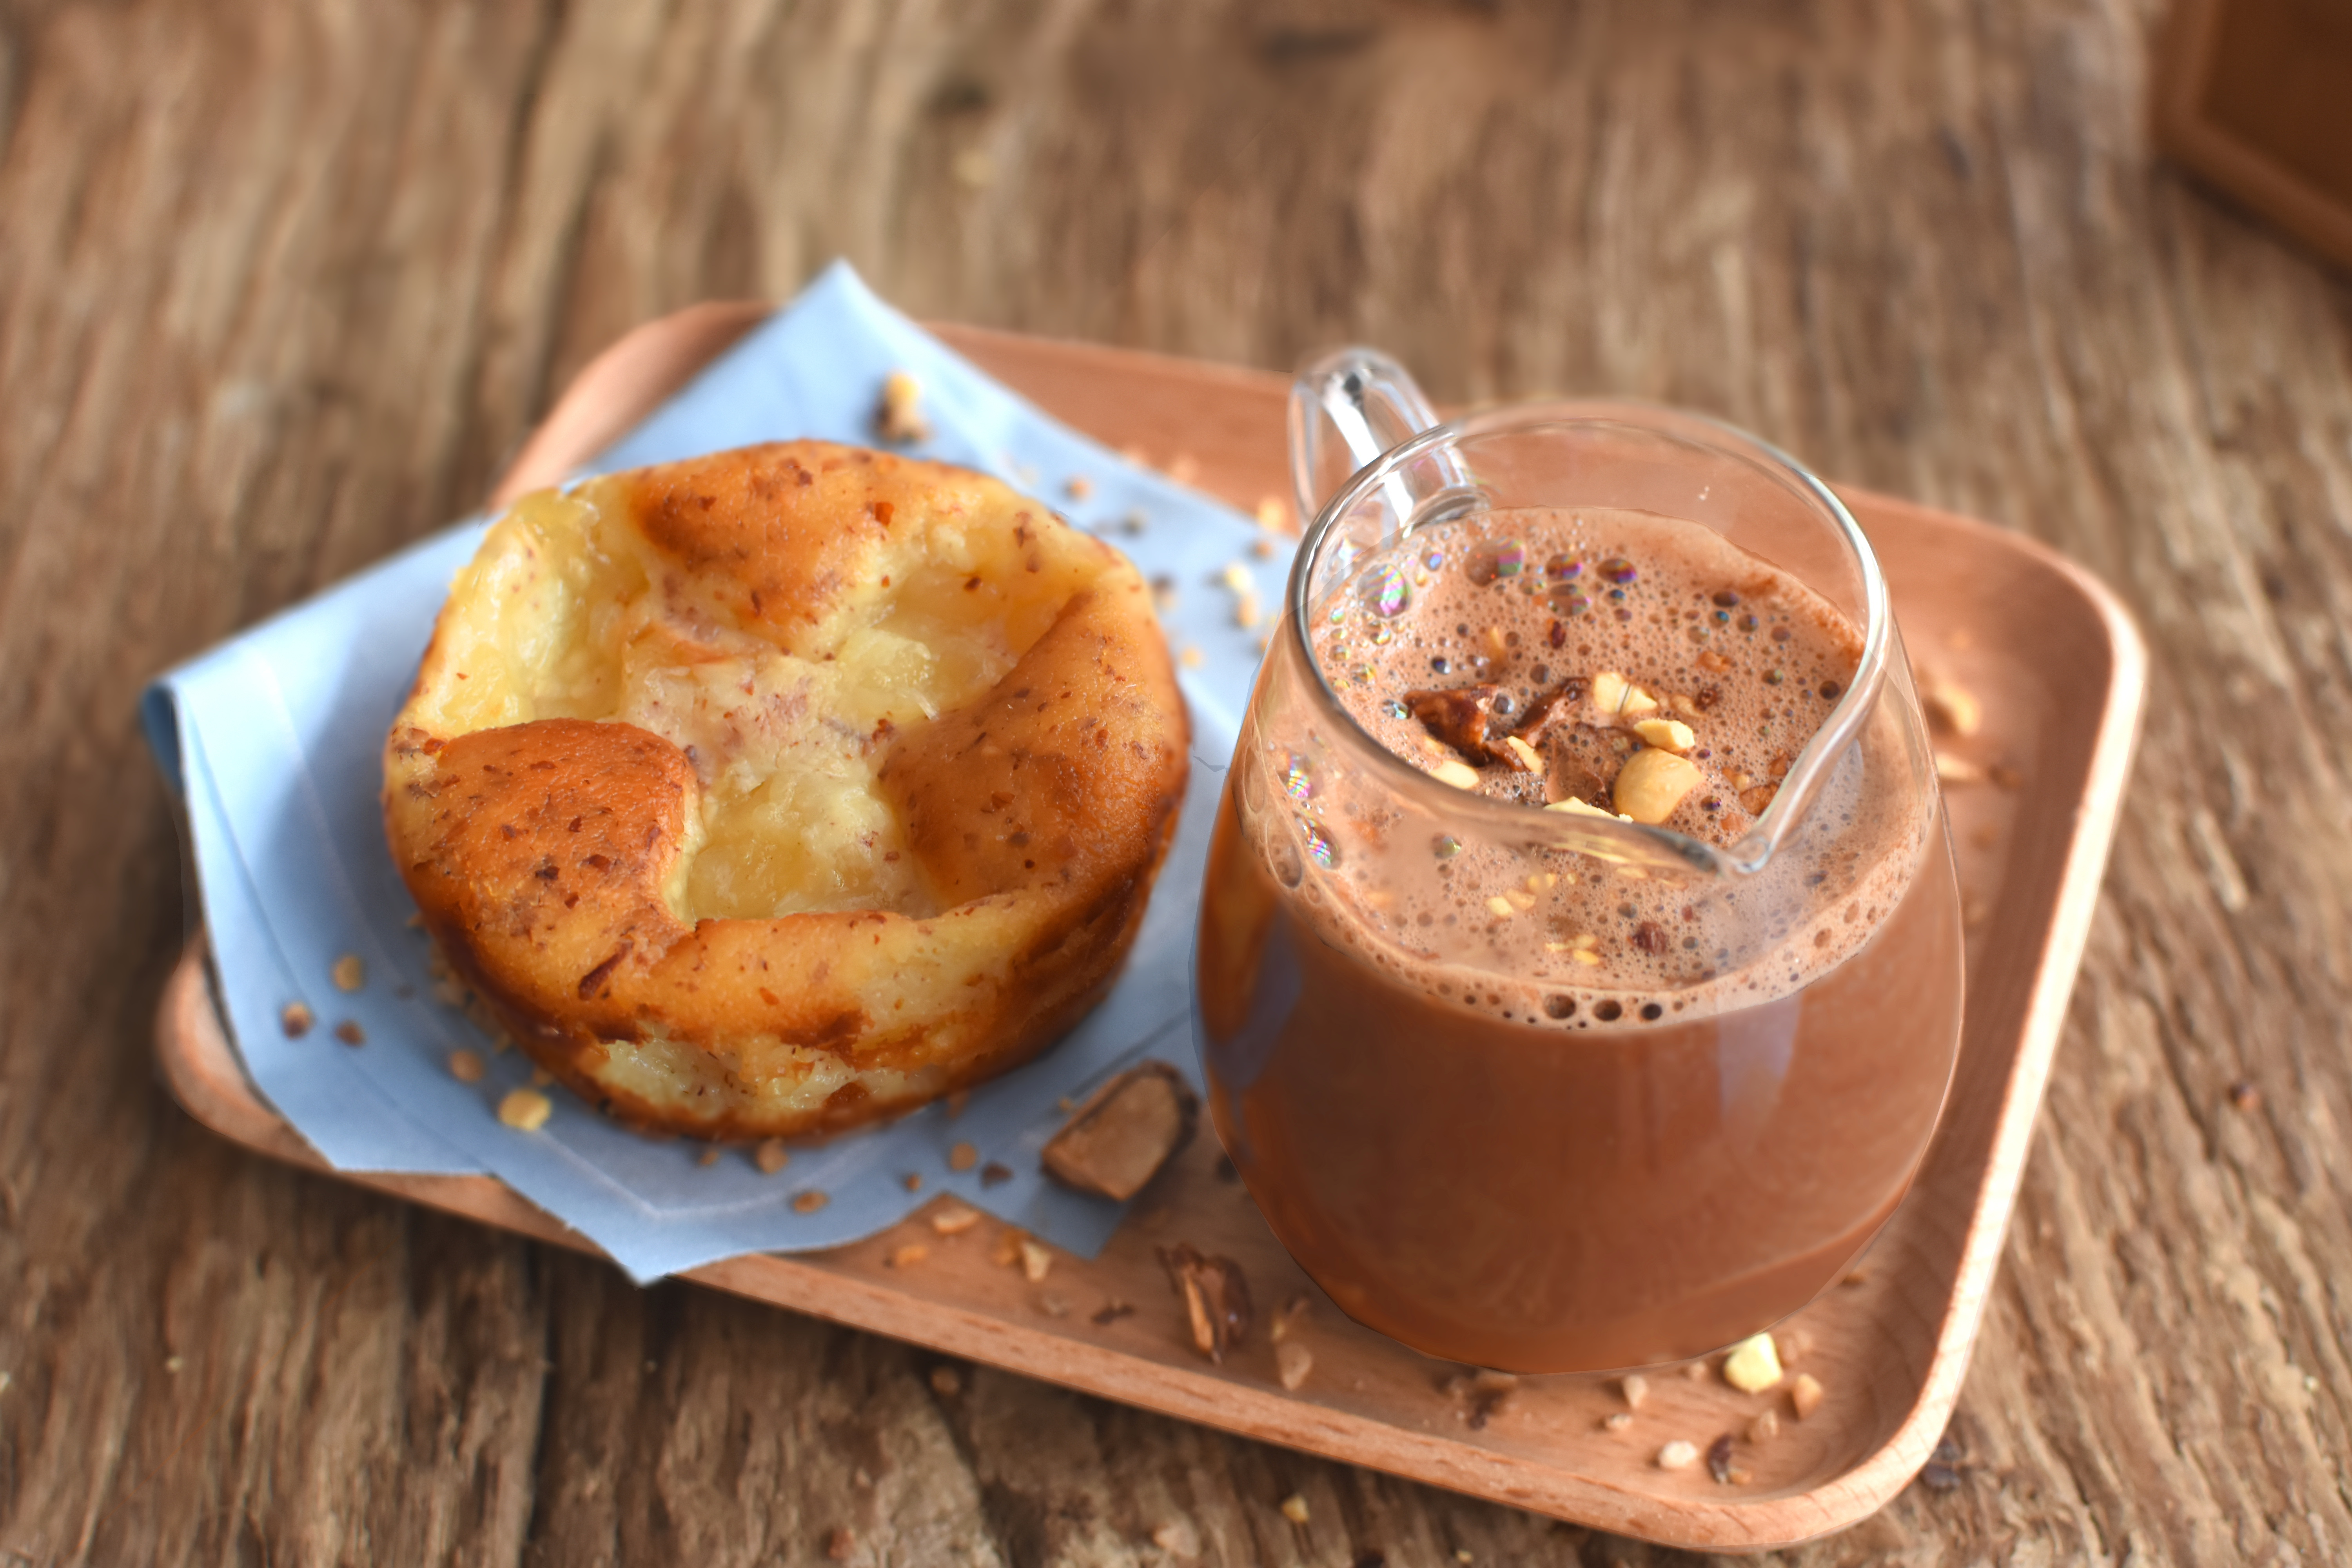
1177, 1538
1294, 1508
954, 1219
1191, 658
296, 1020
1616, 1421
1951, 708
1697, 1371
350, 1033
525, 1110
1216, 1295
1501, 906
1677, 1456
1618, 698
710, 1156
1124, 1133
467, 1067
1952, 770
1712, 662
350, 974
1805, 1395
1756, 798
1653, 783
1078, 487
1264, 549
898, 418
945, 1383
1753, 1365
1246, 612
1008, 1246
1671, 734
770, 1157
906, 1257
1294, 1312
1765, 1427
911, 1181
1575, 807
1037, 1260
962, 1157
1524, 755
1461, 775
1292, 1363
809, 1202
1635, 1388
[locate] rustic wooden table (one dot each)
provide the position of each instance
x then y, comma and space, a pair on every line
282, 285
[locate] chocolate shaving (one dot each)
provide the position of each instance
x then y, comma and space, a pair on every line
1718, 1459
1125, 1132
1460, 718
1216, 1297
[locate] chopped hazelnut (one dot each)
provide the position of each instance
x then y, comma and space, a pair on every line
1677, 1456
525, 1110
1461, 775
1951, 708
1618, 698
899, 418
1292, 1363
954, 1219
1215, 1296
1805, 1395
1617, 1421
1124, 1133
1653, 783
1524, 755
770, 1157
1576, 807
1635, 1388
1236, 577
1753, 1365
1712, 662
1671, 734
1037, 1260
1501, 908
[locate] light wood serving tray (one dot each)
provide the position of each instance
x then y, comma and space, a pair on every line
2060, 671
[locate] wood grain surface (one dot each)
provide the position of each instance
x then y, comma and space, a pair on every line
281, 286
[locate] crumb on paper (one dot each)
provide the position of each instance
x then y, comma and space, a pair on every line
1677, 1455
296, 1020
1191, 658
1805, 1395
962, 1157
995, 1174
1235, 577
1635, 1388
898, 418
1272, 514
1292, 1363
1753, 1365
1294, 1508
1246, 614
954, 1219
810, 1201
350, 1033
467, 1066
1037, 1260
1078, 487
349, 973
1183, 468
1163, 592
525, 1110
710, 1156
1263, 549
906, 1257
912, 1181
955, 1102
770, 1157
946, 1382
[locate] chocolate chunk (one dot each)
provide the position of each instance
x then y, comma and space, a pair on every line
1216, 1297
1125, 1132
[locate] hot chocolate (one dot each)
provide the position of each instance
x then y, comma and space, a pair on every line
1548, 1108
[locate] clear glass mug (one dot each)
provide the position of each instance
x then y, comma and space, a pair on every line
1510, 1165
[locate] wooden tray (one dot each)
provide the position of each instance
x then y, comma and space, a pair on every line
2060, 671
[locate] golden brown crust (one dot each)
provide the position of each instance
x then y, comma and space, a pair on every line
549, 855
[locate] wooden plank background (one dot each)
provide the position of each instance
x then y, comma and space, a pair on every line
282, 283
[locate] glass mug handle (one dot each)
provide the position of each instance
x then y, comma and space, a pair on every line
1348, 408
